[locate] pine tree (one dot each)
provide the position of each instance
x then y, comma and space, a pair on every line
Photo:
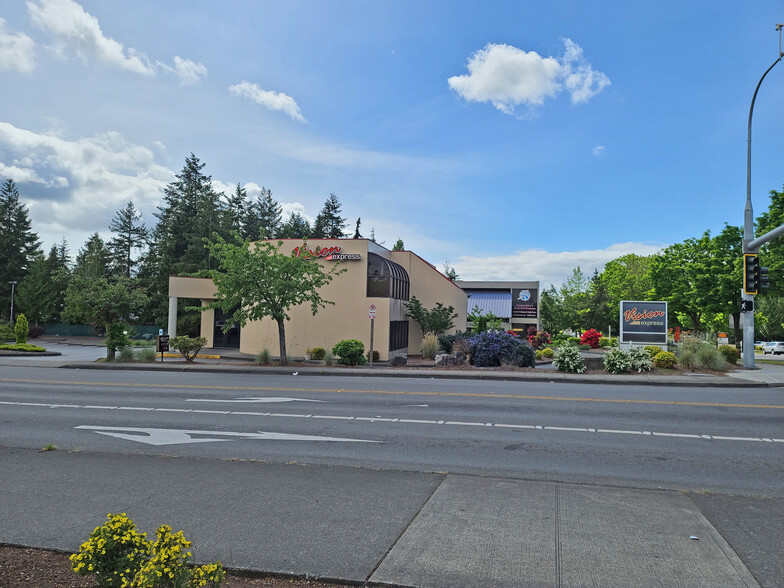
18, 243
329, 224
130, 235
58, 266
356, 230
269, 213
93, 259
237, 205
296, 227
191, 212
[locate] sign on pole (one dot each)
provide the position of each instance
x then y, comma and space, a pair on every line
372, 315
643, 322
162, 344
372, 311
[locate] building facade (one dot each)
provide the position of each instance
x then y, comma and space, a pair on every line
515, 303
374, 276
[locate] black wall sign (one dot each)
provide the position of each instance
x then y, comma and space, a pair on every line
524, 302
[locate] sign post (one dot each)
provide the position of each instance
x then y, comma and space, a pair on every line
372, 315
162, 344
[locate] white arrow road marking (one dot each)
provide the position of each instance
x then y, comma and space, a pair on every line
176, 436
256, 399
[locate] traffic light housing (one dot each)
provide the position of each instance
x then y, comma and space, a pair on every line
751, 273
764, 283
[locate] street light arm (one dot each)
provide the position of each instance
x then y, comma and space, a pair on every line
748, 224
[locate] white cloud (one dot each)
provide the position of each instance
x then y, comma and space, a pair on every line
73, 187
508, 77
598, 150
16, 50
268, 99
546, 266
189, 72
73, 28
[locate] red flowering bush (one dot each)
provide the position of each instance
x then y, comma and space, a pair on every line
539, 339
591, 337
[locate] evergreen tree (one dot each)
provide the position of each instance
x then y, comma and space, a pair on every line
399, 246
191, 213
356, 230
602, 311
236, 210
296, 227
58, 267
269, 213
130, 234
329, 224
18, 243
93, 259
36, 297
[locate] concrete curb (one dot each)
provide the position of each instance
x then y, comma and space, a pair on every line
702, 382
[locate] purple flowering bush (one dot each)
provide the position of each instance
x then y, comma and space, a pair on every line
494, 348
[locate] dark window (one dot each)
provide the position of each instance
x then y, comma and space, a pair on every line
386, 279
398, 335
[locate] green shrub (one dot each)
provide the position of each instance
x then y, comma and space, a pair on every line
567, 358
584, 347
547, 353
34, 332
573, 341
350, 352
22, 347
6, 333
317, 353
21, 329
189, 347
493, 348
430, 346
710, 358
664, 359
146, 355
446, 342
538, 354
653, 350
263, 358
617, 361
116, 338
328, 359
605, 342
731, 355
688, 359
126, 355
375, 356
114, 553
640, 359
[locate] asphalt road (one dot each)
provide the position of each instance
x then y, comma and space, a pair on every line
728, 441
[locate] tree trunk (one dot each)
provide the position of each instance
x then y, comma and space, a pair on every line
737, 329
282, 339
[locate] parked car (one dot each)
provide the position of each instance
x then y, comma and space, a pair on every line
774, 347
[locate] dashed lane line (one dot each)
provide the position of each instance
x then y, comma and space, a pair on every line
379, 419
400, 393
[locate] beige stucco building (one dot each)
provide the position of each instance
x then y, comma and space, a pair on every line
373, 276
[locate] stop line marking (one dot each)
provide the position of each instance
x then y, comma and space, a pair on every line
380, 419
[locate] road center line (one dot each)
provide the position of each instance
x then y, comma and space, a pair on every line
394, 421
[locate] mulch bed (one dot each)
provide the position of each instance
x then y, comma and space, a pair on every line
30, 568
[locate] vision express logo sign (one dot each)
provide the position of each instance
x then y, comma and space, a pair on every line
328, 253
643, 318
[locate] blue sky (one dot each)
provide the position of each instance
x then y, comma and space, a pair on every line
515, 139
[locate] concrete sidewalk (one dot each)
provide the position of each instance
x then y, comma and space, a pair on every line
388, 527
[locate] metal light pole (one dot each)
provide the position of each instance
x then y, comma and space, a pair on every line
13, 286
748, 228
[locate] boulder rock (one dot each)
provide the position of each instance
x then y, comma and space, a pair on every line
399, 360
446, 360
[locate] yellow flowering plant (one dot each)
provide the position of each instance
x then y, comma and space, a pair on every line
114, 553
168, 565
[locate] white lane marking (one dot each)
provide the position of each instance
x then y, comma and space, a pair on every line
414, 421
255, 399
153, 436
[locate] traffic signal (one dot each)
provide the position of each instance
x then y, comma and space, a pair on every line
764, 283
751, 273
